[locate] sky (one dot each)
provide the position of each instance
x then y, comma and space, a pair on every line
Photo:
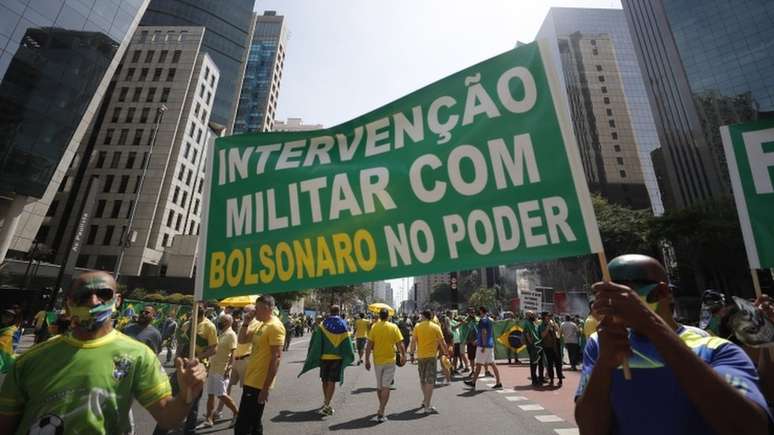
345, 58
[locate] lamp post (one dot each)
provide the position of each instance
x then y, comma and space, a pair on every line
126, 238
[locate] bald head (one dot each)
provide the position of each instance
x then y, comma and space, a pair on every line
226, 320
91, 284
636, 268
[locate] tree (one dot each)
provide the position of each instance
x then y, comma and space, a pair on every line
441, 293
486, 297
285, 300
623, 230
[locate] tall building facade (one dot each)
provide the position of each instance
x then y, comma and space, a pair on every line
228, 25
423, 286
263, 74
705, 64
610, 108
295, 124
56, 59
147, 154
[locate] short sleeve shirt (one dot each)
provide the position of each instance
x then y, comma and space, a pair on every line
485, 324
361, 328
384, 336
427, 335
93, 382
270, 333
226, 344
653, 402
245, 348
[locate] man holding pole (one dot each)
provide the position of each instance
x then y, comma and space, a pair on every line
682, 382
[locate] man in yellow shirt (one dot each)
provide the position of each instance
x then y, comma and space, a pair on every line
220, 370
361, 335
261, 367
382, 339
425, 341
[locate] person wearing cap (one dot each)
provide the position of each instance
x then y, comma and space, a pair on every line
682, 382
95, 372
383, 337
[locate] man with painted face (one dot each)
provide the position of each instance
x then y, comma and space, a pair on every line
143, 331
683, 382
85, 381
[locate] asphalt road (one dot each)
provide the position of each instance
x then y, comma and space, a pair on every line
293, 404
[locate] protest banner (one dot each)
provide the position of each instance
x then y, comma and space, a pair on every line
480, 168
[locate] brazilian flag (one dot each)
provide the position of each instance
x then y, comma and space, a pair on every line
330, 340
513, 339
6, 348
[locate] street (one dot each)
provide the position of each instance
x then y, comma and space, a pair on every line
293, 404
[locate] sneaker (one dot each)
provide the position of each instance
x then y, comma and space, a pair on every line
471, 384
381, 419
431, 410
217, 416
205, 424
497, 386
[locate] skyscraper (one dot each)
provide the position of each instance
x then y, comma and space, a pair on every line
56, 59
228, 25
610, 110
260, 88
147, 154
705, 64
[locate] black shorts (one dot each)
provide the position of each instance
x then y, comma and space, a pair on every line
457, 353
471, 349
330, 370
361, 342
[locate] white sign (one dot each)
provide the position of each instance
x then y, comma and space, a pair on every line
531, 300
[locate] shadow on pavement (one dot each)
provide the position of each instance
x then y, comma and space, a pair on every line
530, 387
297, 416
364, 390
360, 423
471, 393
407, 415
296, 362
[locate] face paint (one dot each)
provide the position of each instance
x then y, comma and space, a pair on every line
643, 293
92, 318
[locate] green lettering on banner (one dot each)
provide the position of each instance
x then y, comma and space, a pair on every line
480, 168
749, 150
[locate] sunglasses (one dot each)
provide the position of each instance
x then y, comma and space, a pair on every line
83, 296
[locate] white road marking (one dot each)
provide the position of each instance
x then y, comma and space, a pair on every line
531, 407
570, 431
550, 418
515, 398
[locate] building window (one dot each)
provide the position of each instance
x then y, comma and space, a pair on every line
604, 89
599, 67
623, 173
617, 148
170, 218
163, 56
100, 208
101, 159
187, 150
595, 52
157, 74
619, 160
122, 94
206, 72
197, 108
130, 115
130, 160
143, 36
193, 158
594, 42
198, 136
116, 208
136, 56
192, 131
606, 100
614, 135
52, 208
108, 184
108, 235
171, 75
601, 78
609, 112
129, 209
137, 136
164, 95
176, 56
185, 197
116, 114
122, 136
129, 74
136, 95
124, 184
143, 75
188, 178
611, 122
136, 184
181, 173
176, 195
196, 207
201, 90
92, 234
212, 80
144, 159
151, 95
108, 136
209, 97
179, 220
144, 115
164, 240
115, 160
149, 56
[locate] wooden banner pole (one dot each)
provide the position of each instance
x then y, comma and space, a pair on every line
756, 283
606, 278
192, 329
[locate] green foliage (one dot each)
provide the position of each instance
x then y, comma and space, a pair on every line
486, 297
441, 294
623, 230
286, 300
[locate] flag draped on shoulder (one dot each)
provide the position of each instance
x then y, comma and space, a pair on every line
331, 341
512, 338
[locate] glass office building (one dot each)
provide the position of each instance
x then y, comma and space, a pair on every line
228, 25
566, 21
706, 64
56, 57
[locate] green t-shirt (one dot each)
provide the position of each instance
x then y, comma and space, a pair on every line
82, 386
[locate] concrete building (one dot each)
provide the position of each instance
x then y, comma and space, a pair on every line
389, 295
56, 59
228, 26
705, 64
424, 286
164, 67
263, 73
295, 124
609, 106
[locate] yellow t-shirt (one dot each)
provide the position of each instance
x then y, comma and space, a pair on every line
427, 334
243, 349
271, 333
361, 328
39, 319
590, 326
206, 335
226, 344
384, 335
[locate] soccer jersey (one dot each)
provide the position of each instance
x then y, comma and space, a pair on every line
653, 402
384, 336
427, 334
76, 386
270, 333
485, 324
361, 328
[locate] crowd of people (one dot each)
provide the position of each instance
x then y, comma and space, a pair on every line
692, 381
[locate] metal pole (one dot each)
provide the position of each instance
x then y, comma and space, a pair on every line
125, 242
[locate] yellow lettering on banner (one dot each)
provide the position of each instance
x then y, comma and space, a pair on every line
304, 258
217, 273
342, 247
284, 268
363, 236
235, 277
251, 278
324, 258
265, 254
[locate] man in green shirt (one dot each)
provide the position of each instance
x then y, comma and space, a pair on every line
85, 381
